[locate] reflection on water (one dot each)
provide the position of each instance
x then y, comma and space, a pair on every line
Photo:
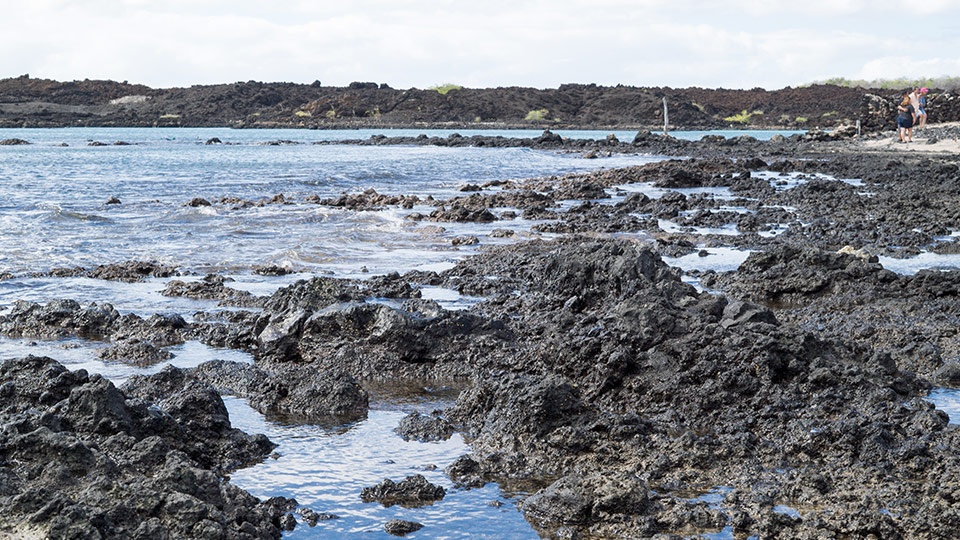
948, 401
325, 469
923, 261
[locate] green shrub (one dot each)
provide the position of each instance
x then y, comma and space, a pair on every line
801, 120
743, 117
443, 89
538, 115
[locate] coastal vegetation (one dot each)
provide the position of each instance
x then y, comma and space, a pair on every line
444, 89
943, 82
743, 117
538, 115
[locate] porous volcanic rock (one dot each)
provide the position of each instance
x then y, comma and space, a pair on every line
411, 492
293, 393
424, 428
622, 371
84, 459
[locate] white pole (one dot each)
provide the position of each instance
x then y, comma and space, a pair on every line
666, 116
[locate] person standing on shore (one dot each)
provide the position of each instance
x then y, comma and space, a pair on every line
922, 109
905, 112
915, 101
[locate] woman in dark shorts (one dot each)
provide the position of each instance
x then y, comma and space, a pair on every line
905, 119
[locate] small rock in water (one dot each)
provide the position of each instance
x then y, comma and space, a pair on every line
466, 241
424, 428
414, 491
198, 201
312, 518
400, 527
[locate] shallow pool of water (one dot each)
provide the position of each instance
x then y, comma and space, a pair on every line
325, 469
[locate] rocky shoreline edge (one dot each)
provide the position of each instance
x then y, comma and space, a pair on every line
781, 400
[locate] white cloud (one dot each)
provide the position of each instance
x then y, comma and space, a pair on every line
728, 43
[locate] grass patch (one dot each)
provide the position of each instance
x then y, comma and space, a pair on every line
444, 89
169, 116
303, 114
743, 117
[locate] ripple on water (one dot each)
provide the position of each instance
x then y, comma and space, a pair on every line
326, 468
948, 401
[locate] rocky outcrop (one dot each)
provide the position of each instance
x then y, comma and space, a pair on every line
81, 458
424, 428
633, 389
369, 340
134, 339
291, 393
782, 399
129, 272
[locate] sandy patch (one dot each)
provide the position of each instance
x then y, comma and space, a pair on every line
921, 141
919, 144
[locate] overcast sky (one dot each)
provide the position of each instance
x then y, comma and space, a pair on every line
480, 44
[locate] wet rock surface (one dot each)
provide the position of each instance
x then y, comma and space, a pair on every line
411, 492
291, 393
401, 527
424, 428
81, 458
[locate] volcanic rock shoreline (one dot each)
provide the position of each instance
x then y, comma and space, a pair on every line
781, 400
31, 102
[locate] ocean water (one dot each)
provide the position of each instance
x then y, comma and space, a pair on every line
54, 209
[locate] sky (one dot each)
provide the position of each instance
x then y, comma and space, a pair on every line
733, 44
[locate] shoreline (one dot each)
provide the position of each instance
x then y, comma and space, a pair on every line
595, 371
